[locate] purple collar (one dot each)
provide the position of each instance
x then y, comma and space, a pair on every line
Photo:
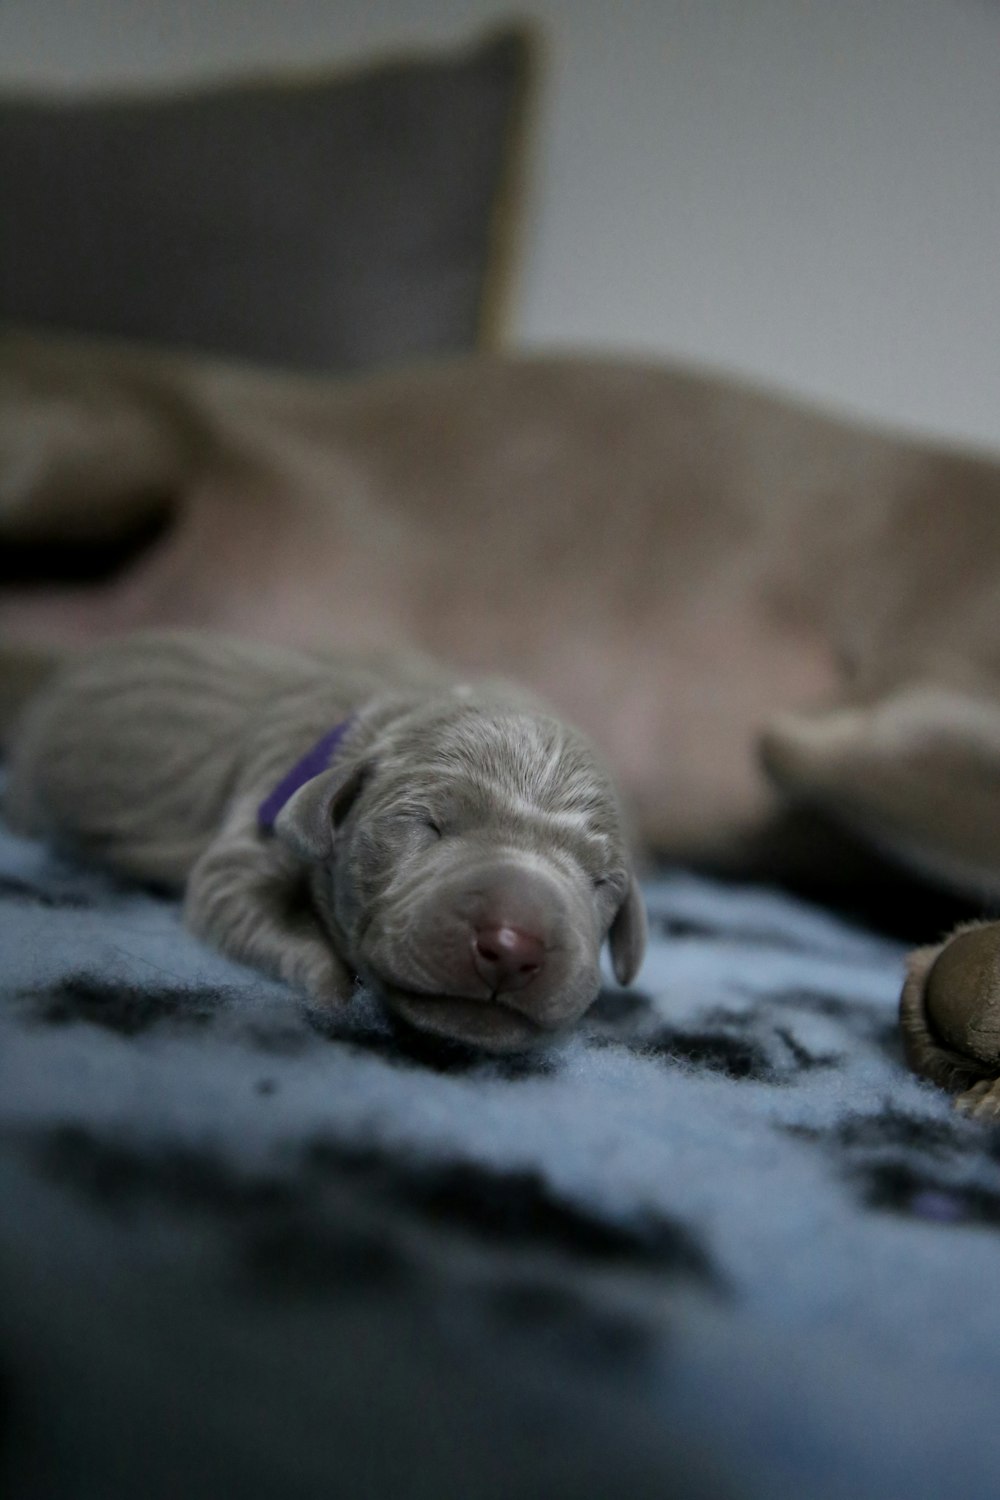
313, 763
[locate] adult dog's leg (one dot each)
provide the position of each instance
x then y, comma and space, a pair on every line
99, 445
98, 450
915, 770
247, 899
91, 437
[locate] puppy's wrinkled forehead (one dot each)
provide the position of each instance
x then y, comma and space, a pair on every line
515, 761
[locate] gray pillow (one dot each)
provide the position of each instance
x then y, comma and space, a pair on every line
321, 223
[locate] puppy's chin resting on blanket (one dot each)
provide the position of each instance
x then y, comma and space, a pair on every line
459, 849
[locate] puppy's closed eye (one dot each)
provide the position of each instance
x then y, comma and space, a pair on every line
419, 824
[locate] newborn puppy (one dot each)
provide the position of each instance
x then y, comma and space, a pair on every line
458, 849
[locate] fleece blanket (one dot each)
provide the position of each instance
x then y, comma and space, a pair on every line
718, 1243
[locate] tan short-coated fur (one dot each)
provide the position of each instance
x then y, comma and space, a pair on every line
670, 559
742, 600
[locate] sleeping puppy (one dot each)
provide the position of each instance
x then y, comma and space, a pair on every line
459, 849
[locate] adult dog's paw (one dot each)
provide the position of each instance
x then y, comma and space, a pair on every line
962, 993
950, 1016
982, 1101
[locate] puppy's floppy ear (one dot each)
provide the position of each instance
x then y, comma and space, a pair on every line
627, 938
309, 819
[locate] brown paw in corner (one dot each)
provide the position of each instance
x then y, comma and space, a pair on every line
950, 1017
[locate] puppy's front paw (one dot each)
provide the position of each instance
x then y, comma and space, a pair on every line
324, 979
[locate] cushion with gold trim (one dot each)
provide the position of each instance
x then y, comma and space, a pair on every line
327, 221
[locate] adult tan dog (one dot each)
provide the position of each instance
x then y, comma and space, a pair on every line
695, 572
460, 849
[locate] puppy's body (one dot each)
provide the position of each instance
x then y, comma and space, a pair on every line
135, 752
460, 849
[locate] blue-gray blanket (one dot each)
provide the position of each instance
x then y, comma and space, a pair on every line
719, 1243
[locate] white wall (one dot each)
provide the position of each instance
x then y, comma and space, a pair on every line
806, 191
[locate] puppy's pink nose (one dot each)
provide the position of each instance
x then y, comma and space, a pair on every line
505, 957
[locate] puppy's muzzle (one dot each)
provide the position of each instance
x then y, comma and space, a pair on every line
499, 953
507, 958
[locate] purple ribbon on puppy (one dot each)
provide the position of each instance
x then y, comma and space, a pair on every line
313, 763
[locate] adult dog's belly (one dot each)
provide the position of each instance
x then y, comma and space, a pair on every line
675, 698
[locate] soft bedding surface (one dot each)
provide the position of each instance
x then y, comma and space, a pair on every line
719, 1243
